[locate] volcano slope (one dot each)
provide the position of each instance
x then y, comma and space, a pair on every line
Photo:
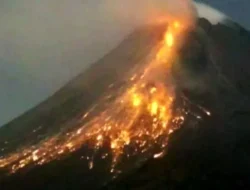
213, 72
66, 108
209, 150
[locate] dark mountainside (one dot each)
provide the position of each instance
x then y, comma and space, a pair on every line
213, 154
67, 105
65, 109
213, 71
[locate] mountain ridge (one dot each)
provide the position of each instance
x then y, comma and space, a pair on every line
211, 153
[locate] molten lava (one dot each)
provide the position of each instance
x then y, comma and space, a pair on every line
169, 39
140, 117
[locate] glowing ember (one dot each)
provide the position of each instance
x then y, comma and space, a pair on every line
208, 113
136, 100
139, 117
176, 24
169, 39
99, 137
35, 156
170, 131
159, 155
153, 90
91, 165
154, 108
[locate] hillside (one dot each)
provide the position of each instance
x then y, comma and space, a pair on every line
213, 153
75, 98
209, 151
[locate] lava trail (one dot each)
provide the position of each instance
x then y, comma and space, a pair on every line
139, 115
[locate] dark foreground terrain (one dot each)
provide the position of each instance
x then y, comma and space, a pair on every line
213, 71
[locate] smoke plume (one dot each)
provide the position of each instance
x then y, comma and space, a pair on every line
43, 44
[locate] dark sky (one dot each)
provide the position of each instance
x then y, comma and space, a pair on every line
238, 10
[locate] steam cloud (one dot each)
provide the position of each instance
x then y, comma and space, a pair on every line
43, 44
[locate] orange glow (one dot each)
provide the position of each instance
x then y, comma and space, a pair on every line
162, 112
122, 122
136, 100
114, 144
166, 52
125, 137
169, 39
99, 137
154, 108
153, 90
176, 24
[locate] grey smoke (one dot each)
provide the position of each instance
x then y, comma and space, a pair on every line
43, 44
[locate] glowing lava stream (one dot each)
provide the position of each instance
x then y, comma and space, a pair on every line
139, 118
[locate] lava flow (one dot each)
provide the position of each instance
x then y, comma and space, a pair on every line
140, 117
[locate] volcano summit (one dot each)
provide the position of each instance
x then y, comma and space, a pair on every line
167, 108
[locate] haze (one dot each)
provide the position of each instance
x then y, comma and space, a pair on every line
43, 44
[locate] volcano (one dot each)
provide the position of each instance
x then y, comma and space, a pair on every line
188, 128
